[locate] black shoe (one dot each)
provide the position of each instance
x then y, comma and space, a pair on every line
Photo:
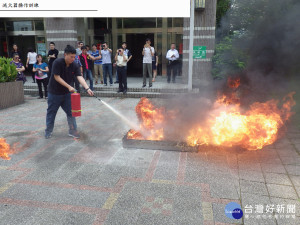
150, 85
124, 92
119, 91
48, 135
40, 97
144, 85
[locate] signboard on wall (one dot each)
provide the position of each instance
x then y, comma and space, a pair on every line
41, 49
199, 52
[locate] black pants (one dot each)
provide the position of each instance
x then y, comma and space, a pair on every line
30, 67
122, 78
76, 84
172, 66
45, 83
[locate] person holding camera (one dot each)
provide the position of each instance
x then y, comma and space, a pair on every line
106, 63
97, 58
121, 61
148, 53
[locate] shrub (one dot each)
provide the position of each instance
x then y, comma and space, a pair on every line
8, 71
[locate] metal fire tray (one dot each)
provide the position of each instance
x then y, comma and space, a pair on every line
158, 145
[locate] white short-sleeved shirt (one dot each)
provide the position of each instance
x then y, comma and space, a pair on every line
32, 57
147, 55
106, 57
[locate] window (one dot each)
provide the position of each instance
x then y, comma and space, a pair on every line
39, 24
178, 22
2, 26
119, 23
19, 26
139, 22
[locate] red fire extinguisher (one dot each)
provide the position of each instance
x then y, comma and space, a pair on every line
75, 104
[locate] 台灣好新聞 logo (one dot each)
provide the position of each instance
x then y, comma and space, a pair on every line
233, 211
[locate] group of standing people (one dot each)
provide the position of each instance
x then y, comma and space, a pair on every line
99, 63
95, 63
39, 70
150, 62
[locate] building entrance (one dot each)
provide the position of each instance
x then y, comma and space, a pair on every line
135, 43
23, 43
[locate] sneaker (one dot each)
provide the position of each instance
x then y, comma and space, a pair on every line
39, 97
116, 82
119, 91
101, 82
48, 135
150, 85
111, 85
74, 134
124, 92
105, 84
144, 85
46, 97
96, 82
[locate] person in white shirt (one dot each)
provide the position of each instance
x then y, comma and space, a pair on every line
172, 57
31, 60
121, 61
148, 52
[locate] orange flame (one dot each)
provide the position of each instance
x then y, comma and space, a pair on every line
252, 130
226, 125
152, 121
5, 149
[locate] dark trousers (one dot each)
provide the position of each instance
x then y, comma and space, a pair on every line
172, 66
30, 67
107, 69
77, 84
122, 78
45, 83
54, 103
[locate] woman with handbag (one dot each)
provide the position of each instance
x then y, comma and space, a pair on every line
41, 69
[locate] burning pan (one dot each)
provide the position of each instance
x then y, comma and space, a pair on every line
157, 145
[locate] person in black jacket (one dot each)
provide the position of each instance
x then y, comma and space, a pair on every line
87, 65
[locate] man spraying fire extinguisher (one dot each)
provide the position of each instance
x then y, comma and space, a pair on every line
64, 71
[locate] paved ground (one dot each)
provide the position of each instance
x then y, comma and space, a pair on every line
97, 181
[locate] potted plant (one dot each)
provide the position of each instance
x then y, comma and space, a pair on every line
11, 91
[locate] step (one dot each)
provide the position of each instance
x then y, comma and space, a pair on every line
146, 89
34, 92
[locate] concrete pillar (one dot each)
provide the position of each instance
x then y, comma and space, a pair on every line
61, 31
164, 48
204, 35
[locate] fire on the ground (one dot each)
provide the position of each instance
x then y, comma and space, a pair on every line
226, 125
